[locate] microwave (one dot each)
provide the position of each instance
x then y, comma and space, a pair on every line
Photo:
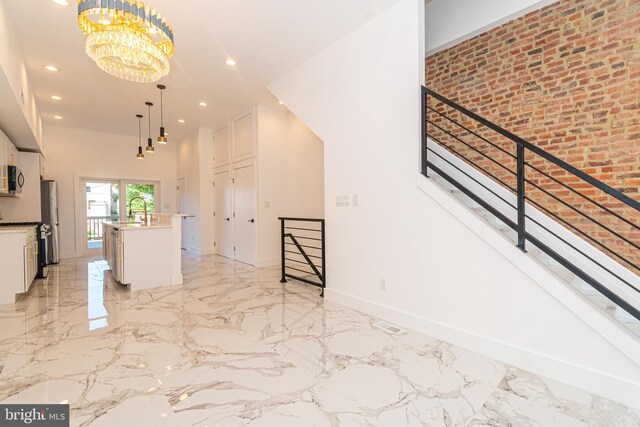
15, 180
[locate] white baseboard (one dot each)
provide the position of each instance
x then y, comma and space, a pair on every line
614, 388
268, 262
200, 251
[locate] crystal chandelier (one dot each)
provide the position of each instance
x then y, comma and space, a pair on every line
127, 39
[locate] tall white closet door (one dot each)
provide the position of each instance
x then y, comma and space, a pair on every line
245, 213
223, 214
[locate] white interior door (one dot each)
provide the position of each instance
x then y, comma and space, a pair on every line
183, 209
223, 214
245, 214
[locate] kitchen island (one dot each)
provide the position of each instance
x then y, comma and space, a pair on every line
142, 255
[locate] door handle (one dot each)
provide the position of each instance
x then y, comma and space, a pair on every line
251, 220
226, 219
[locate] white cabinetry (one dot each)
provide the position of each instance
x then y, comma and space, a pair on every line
30, 258
18, 261
244, 137
8, 156
221, 146
143, 256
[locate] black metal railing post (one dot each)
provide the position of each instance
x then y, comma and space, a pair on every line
324, 258
425, 165
282, 249
520, 173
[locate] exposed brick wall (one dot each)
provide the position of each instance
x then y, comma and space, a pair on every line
567, 79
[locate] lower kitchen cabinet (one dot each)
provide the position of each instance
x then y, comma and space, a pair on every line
18, 261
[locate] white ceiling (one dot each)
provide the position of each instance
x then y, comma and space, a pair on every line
266, 38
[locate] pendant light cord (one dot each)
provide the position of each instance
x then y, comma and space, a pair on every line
161, 109
149, 121
140, 132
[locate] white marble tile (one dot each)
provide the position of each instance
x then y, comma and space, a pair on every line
233, 347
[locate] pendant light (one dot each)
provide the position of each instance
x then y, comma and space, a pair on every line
162, 139
140, 155
150, 148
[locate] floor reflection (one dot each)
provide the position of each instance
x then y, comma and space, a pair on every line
234, 347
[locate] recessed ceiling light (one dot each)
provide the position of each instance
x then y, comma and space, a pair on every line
280, 102
57, 117
180, 121
56, 98
230, 61
61, 2
51, 68
203, 104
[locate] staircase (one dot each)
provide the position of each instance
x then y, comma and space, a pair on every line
528, 196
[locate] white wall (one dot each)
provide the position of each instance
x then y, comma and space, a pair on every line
72, 154
20, 120
361, 97
194, 159
290, 177
449, 22
26, 207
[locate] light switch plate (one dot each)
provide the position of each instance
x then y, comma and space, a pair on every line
267, 205
342, 201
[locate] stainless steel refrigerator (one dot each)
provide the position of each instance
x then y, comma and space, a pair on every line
49, 194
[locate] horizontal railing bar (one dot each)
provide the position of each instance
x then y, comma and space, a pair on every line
302, 262
620, 217
602, 245
472, 162
303, 271
584, 276
308, 247
474, 179
584, 214
318, 230
583, 254
542, 153
308, 238
284, 218
310, 282
472, 195
472, 132
473, 148
298, 253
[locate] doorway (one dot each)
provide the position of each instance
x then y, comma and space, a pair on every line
183, 208
112, 200
101, 203
234, 192
244, 185
223, 214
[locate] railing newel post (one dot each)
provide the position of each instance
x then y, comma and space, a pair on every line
424, 130
324, 260
521, 187
283, 280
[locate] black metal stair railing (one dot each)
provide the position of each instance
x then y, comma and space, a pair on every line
303, 250
451, 133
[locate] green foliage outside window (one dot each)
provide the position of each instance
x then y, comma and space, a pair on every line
146, 191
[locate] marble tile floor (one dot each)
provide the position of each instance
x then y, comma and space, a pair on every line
232, 347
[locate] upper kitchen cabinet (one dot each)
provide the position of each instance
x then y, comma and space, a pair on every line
221, 146
244, 137
8, 157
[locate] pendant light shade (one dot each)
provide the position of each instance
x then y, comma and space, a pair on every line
162, 139
140, 155
150, 148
